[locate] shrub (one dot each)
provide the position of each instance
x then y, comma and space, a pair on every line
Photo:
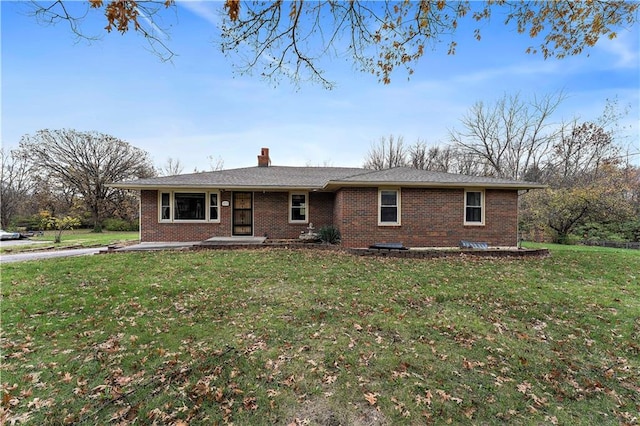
609, 231
60, 224
119, 225
28, 223
329, 234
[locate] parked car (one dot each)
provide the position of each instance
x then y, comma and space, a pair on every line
4, 235
29, 234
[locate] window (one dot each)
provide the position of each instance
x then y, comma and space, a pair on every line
298, 207
474, 208
213, 206
165, 206
389, 207
189, 206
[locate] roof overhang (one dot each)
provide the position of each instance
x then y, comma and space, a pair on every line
133, 186
334, 185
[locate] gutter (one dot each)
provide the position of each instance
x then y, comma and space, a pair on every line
333, 185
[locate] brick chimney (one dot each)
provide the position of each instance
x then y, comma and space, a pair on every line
263, 158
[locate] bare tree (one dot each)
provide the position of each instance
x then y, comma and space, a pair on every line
171, 167
87, 162
580, 152
388, 153
323, 163
438, 158
392, 152
512, 136
419, 156
51, 195
589, 181
293, 38
215, 163
15, 185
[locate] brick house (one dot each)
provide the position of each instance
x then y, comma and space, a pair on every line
415, 207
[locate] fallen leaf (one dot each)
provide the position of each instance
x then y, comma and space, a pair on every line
468, 413
524, 387
428, 396
250, 403
371, 398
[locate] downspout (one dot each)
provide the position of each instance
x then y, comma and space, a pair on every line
140, 215
519, 240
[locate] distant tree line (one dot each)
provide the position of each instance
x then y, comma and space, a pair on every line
593, 189
58, 173
55, 174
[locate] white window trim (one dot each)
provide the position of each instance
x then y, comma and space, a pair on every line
482, 208
398, 222
207, 196
209, 206
160, 219
306, 207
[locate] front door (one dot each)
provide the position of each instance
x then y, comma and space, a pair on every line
242, 213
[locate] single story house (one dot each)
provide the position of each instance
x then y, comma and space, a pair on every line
415, 207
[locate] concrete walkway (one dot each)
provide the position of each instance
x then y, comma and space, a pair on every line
182, 245
215, 241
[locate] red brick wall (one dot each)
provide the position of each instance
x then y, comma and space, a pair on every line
270, 216
430, 218
153, 230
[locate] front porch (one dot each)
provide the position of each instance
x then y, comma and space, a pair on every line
232, 241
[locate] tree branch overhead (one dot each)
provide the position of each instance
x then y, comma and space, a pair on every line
292, 40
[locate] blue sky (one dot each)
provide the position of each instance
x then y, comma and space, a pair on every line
196, 106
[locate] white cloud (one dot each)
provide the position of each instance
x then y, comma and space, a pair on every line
203, 9
624, 48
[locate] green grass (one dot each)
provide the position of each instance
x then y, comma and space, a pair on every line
282, 336
578, 248
76, 238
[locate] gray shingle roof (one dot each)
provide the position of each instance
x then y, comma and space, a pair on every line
411, 176
279, 177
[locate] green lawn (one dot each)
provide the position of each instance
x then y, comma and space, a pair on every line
280, 336
77, 238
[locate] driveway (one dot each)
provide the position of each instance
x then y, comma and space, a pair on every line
48, 254
19, 243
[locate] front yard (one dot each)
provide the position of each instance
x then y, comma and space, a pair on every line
280, 336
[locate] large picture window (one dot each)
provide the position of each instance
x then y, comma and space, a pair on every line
389, 207
474, 207
298, 208
189, 206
